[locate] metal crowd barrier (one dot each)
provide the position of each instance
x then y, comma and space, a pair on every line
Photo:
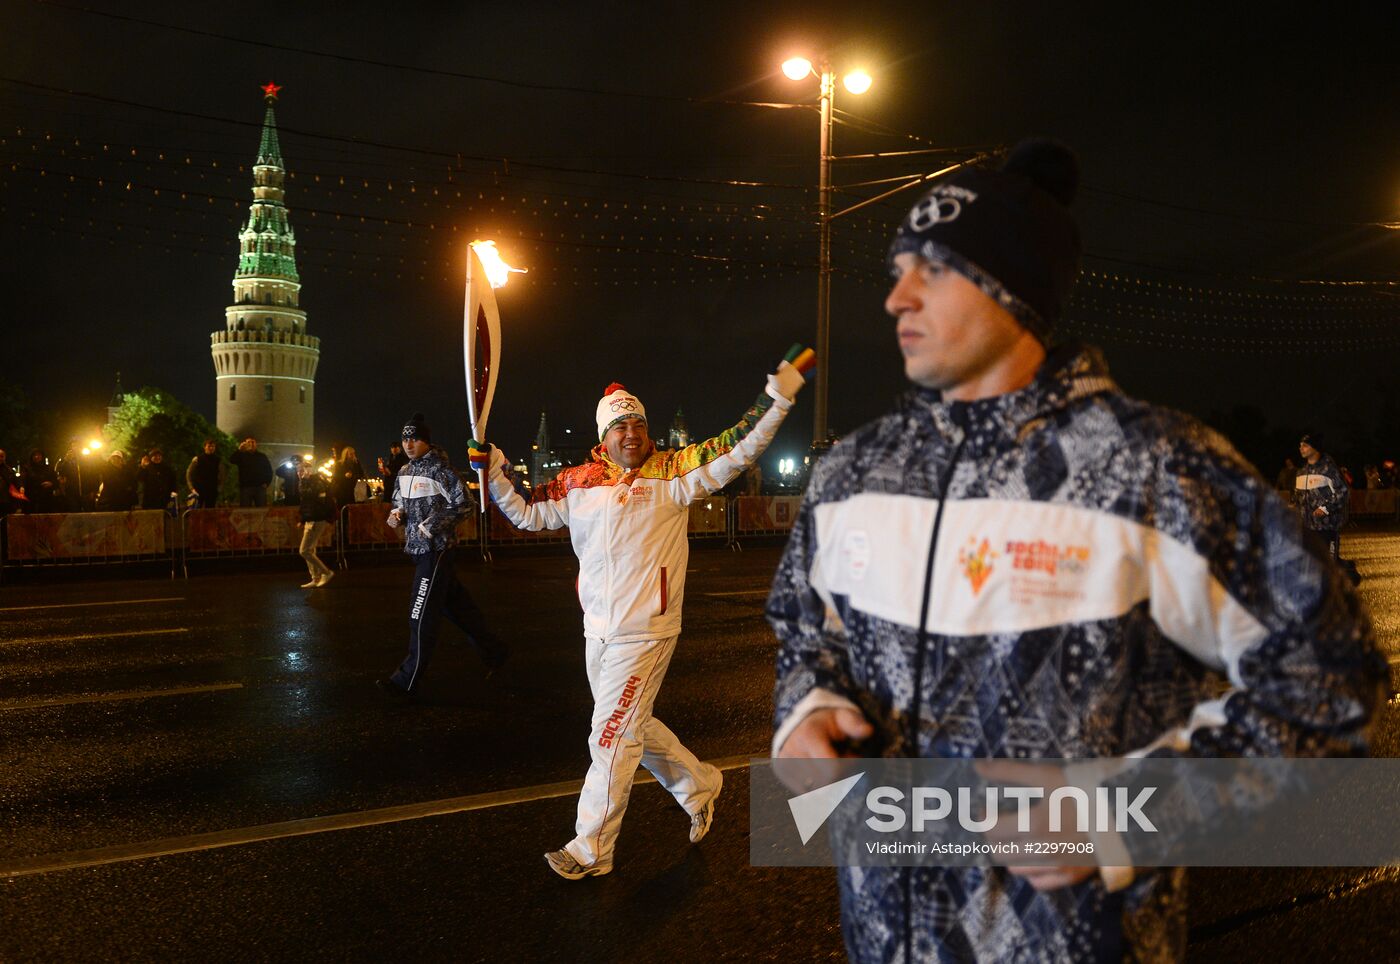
364, 526
499, 532
1375, 503
102, 538
762, 515
87, 539
239, 532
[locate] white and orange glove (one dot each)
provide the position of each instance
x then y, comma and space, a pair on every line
792, 373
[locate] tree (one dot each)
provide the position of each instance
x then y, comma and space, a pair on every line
152, 418
19, 431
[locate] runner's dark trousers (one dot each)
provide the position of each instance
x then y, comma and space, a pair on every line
436, 592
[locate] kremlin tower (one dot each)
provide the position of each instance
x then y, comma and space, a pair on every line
265, 362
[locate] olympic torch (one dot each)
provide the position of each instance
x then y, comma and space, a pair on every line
481, 339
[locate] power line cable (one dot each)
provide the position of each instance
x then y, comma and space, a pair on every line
432, 71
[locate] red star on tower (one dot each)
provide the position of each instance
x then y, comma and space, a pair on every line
270, 90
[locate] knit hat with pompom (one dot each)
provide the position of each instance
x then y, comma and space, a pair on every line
616, 404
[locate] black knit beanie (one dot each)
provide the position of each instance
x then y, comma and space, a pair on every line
1010, 232
417, 428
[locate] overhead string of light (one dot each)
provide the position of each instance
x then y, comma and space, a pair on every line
458, 156
448, 181
1116, 328
634, 213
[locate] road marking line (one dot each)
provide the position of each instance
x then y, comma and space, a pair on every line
113, 602
122, 853
77, 639
740, 592
29, 704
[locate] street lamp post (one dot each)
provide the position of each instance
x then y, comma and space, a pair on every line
858, 82
819, 426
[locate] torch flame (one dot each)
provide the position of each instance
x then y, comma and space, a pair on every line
497, 271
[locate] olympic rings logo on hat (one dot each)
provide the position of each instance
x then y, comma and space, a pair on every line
934, 210
623, 405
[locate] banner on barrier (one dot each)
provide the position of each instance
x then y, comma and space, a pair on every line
1373, 501
366, 525
767, 512
247, 530
500, 530
84, 535
709, 516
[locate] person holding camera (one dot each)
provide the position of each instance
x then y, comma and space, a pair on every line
254, 473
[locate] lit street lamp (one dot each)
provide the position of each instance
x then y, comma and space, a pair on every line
857, 82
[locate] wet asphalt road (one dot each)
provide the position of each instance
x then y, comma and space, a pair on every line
138, 713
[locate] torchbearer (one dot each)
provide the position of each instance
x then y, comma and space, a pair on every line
626, 509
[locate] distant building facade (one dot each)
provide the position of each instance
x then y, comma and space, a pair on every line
679, 436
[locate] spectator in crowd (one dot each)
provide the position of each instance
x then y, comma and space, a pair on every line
290, 474
205, 475
118, 488
389, 469
1373, 478
346, 473
70, 477
10, 492
40, 484
317, 514
157, 482
254, 473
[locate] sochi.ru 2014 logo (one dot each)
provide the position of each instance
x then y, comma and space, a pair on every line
977, 562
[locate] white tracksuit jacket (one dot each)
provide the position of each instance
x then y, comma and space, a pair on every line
628, 528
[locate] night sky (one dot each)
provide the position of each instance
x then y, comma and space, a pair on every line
1231, 160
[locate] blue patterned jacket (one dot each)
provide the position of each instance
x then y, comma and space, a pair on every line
432, 498
1321, 486
1108, 578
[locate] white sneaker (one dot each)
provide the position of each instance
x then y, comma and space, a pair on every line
700, 822
309, 585
565, 865
325, 579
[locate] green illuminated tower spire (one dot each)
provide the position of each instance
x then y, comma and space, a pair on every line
269, 246
269, 151
264, 359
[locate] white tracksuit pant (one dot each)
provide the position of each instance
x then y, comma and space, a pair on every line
625, 678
